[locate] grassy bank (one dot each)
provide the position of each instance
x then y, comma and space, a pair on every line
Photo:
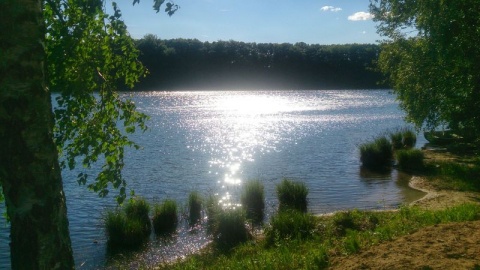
303, 241
338, 235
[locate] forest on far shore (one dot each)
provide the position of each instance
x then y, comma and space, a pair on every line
188, 64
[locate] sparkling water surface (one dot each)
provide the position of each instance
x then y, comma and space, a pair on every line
213, 141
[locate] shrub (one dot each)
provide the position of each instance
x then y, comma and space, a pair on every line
410, 160
290, 225
253, 200
377, 154
137, 208
165, 217
230, 229
292, 195
194, 207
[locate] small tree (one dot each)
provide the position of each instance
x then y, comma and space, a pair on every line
431, 57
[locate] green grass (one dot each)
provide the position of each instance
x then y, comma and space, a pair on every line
315, 252
194, 207
292, 195
376, 155
454, 175
253, 201
410, 160
290, 225
165, 217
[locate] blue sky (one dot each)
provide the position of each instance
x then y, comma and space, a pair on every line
270, 21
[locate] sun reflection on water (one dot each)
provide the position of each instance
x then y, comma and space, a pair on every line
243, 125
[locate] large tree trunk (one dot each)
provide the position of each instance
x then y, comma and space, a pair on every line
29, 170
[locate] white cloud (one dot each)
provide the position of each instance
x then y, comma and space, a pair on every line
360, 16
331, 8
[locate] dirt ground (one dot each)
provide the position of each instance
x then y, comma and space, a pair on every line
444, 246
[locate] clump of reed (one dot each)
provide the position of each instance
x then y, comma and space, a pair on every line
138, 208
376, 155
230, 229
290, 224
213, 209
410, 160
253, 200
194, 207
165, 217
404, 138
128, 226
292, 195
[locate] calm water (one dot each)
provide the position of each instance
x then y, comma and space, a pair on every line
213, 141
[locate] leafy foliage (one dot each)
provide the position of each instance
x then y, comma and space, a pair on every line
432, 60
89, 56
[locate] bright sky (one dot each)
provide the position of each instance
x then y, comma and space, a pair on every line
261, 21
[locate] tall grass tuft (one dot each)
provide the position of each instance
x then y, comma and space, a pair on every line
292, 195
253, 200
397, 139
404, 138
290, 225
213, 209
138, 209
409, 138
194, 207
376, 155
230, 229
129, 226
165, 217
115, 224
411, 160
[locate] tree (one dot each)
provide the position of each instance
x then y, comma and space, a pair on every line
431, 56
79, 51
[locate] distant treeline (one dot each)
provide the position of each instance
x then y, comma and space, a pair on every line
182, 64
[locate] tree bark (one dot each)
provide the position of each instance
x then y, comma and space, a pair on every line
29, 170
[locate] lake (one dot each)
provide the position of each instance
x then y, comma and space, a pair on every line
213, 141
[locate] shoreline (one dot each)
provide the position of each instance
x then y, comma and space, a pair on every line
435, 199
